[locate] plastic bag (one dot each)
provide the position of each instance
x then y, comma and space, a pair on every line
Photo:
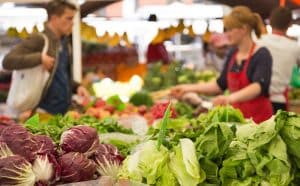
27, 86
295, 79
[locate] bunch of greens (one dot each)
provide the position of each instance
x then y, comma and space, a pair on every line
58, 124
153, 80
290, 133
222, 114
124, 142
158, 78
258, 156
289, 125
184, 109
141, 98
211, 146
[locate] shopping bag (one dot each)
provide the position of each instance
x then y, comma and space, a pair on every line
27, 86
295, 79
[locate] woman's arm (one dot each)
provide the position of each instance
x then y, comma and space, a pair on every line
203, 88
250, 92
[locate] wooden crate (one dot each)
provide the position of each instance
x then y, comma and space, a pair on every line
294, 106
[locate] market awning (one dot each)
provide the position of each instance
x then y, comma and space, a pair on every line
88, 6
263, 7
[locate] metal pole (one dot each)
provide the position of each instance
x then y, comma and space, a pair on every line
76, 38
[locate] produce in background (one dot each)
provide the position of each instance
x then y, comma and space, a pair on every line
80, 138
116, 102
58, 124
294, 94
153, 79
76, 167
184, 109
141, 98
157, 79
159, 109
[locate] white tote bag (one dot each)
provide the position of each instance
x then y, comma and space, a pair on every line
27, 86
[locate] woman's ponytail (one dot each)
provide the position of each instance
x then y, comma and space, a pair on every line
258, 25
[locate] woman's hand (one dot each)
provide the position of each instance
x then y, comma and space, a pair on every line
221, 100
179, 90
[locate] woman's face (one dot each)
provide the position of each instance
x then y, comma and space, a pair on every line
235, 35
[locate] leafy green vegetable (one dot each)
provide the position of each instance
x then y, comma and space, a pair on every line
146, 164
259, 155
222, 114
184, 164
165, 121
290, 132
158, 78
124, 142
167, 178
153, 80
116, 102
214, 141
141, 98
184, 109
34, 121
58, 124
211, 170
177, 124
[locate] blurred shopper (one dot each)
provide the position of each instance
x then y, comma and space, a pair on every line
157, 52
285, 53
247, 71
27, 54
217, 51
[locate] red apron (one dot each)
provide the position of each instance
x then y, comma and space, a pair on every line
259, 108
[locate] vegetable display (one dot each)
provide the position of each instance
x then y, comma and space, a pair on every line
219, 148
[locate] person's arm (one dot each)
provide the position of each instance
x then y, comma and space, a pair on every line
211, 88
250, 92
27, 54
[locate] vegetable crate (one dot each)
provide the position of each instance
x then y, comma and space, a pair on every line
294, 106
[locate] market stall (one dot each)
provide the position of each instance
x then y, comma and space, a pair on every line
133, 131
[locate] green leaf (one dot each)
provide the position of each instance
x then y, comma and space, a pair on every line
116, 102
165, 121
34, 120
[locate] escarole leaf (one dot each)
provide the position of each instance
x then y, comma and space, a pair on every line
184, 164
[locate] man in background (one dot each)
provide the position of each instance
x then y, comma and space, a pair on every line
285, 53
28, 54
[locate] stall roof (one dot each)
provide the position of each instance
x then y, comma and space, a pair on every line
87, 7
263, 7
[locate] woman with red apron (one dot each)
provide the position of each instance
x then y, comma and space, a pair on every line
259, 108
247, 80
